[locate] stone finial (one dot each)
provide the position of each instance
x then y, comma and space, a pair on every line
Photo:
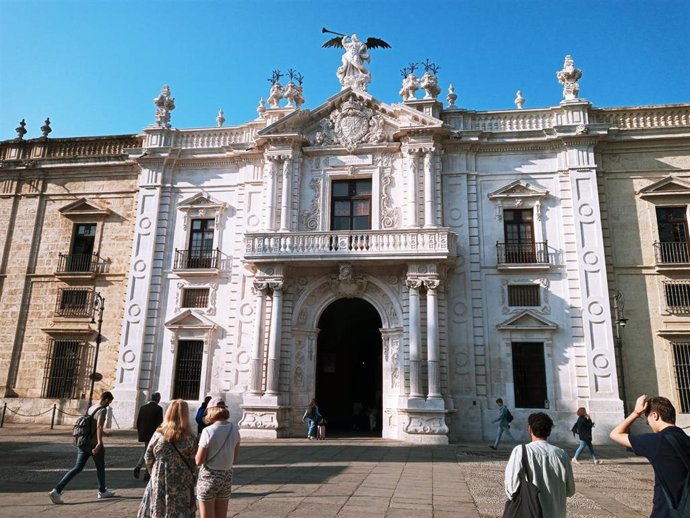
46, 129
519, 100
452, 96
429, 81
569, 77
21, 129
261, 109
165, 103
220, 119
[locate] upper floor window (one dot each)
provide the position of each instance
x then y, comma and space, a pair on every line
74, 302
195, 297
80, 258
681, 367
524, 295
677, 295
201, 235
672, 225
351, 205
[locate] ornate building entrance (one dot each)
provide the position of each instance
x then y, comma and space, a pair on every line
349, 367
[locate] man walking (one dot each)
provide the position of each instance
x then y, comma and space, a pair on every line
150, 417
552, 472
665, 448
503, 424
94, 449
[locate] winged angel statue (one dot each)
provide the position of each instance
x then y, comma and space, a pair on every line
352, 73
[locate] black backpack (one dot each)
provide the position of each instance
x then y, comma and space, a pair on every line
509, 416
84, 429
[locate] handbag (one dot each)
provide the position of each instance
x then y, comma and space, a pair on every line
525, 501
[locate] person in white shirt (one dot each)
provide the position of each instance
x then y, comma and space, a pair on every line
552, 472
219, 448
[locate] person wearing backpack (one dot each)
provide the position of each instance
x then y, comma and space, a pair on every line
583, 427
90, 445
504, 419
668, 450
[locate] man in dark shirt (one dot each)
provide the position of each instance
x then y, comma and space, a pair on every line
150, 417
669, 469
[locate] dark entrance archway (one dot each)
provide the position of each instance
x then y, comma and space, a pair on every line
349, 367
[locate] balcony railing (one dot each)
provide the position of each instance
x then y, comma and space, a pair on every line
80, 263
672, 252
522, 253
368, 244
197, 259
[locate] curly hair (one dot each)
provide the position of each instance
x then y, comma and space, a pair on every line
540, 424
176, 424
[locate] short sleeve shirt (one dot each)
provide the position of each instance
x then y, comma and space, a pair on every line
221, 452
667, 466
98, 413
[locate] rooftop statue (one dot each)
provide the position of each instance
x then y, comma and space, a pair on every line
353, 73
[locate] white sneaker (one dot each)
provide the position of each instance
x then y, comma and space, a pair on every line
106, 494
598, 461
575, 461
55, 497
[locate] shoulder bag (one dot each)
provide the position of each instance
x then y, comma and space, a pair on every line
682, 508
525, 501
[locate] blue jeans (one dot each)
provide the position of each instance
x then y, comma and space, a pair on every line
501, 431
582, 447
82, 456
311, 430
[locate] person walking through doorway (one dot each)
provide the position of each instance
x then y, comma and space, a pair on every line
312, 415
150, 417
503, 424
94, 449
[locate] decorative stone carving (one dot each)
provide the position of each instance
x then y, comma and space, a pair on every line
410, 83
21, 129
165, 103
352, 73
310, 218
429, 84
519, 100
261, 109
259, 420
452, 96
46, 129
352, 124
390, 215
426, 425
569, 77
220, 119
275, 95
346, 284
294, 96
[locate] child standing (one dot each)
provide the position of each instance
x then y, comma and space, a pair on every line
219, 448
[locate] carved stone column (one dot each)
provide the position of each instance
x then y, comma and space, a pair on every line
415, 330
257, 346
273, 371
412, 190
429, 205
285, 196
270, 173
432, 345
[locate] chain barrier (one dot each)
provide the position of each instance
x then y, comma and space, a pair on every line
54, 410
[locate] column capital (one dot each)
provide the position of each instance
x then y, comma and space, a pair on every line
413, 283
259, 287
277, 286
431, 283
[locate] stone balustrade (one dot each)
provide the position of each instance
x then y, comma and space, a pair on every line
512, 120
68, 147
215, 137
643, 117
437, 243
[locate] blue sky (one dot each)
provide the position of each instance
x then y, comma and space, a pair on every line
94, 66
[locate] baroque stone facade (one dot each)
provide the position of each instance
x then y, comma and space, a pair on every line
409, 260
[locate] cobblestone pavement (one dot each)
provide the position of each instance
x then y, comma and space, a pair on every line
345, 477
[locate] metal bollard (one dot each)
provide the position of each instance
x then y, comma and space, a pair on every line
52, 419
2, 419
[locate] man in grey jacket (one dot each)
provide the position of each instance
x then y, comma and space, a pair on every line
503, 426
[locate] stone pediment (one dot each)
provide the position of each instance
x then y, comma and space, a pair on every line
669, 186
201, 201
350, 119
84, 208
527, 321
518, 189
189, 319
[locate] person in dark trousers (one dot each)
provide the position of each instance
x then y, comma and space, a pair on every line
150, 417
95, 449
503, 424
658, 447
200, 424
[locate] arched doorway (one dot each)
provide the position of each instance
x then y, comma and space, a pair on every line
349, 367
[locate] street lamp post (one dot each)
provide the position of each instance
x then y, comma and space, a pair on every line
98, 305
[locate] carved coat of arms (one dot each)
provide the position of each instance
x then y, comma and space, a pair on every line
352, 124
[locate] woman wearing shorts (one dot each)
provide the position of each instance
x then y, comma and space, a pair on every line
219, 448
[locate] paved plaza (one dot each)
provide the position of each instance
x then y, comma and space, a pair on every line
343, 477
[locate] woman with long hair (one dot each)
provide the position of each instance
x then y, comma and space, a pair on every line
219, 448
583, 428
169, 458
312, 415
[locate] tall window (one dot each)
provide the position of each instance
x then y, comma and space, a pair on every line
351, 205
673, 234
60, 378
518, 229
529, 375
188, 369
201, 243
681, 367
83, 239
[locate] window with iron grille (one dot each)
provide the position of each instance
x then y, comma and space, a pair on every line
529, 375
523, 295
188, 369
677, 296
61, 375
681, 367
195, 297
74, 302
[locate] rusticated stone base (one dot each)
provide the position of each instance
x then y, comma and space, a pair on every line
424, 426
263, 422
